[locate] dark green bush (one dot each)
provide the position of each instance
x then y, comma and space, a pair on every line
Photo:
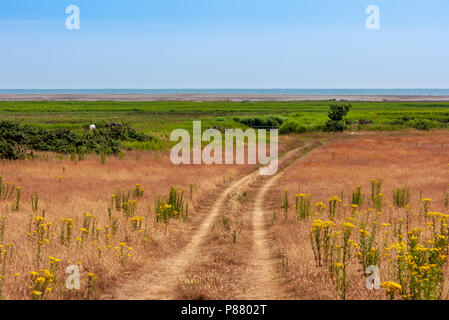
16, 140
266, 122
365, 121
291, 126
422, 124
336, 115
9, 150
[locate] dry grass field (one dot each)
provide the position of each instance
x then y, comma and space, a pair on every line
227, 233
408, 242
57, 212
70, 190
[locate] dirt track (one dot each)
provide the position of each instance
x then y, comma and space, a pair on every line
160, 280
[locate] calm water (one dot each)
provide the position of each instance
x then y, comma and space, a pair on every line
425, 92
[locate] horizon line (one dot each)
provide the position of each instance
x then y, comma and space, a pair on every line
397, 88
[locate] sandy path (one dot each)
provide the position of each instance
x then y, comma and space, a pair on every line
261, 280
159, 282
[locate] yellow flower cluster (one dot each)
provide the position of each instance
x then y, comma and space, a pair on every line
391, 286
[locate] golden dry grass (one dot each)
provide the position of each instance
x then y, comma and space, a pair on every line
217, 270
417, 161
67, 189
235, 262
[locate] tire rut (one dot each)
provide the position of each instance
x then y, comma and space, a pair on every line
160, 282
262, 282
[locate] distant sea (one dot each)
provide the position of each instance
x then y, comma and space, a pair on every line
417, 92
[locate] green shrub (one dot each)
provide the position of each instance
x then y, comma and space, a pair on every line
291, 126
422, 124
401, 197
266, 122
16, 140
357, 196
9, 150
336, 115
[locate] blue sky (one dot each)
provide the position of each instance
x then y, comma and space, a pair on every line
224, 44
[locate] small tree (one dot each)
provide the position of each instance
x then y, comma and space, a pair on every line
336, 115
